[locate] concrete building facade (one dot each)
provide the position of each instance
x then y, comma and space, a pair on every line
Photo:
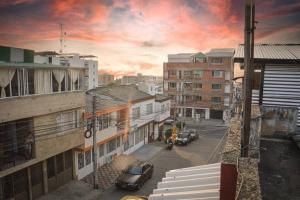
199, 84
40, 124
125, 122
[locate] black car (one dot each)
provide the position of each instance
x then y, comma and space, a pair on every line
183, 138
135, 176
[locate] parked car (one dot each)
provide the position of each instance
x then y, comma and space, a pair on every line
135, 176
183, 138
134, 198
194, 134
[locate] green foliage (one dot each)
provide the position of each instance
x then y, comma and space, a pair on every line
178, 125
168, 133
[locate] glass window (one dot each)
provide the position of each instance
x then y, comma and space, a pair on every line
111, 146
80, 160
216, 99
197, 98
172, 72
217, 73
197, 85
216, 86
149, 109
136, 113
36, 174
66, 121
59, 163
216, 60
172, 85
88, 157
101, 150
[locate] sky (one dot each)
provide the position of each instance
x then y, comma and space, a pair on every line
135, 36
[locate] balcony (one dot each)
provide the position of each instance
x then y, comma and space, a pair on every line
17, 143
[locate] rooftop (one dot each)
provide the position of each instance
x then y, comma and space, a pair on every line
271, 53
125, 93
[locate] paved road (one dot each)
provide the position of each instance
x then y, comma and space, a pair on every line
198, 152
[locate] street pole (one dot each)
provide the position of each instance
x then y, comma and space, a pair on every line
249, 5
95, 144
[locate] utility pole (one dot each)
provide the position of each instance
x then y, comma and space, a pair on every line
248, 54
95, 144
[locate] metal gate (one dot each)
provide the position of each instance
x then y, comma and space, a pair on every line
282, 87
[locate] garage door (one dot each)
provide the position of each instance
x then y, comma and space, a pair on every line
216, 114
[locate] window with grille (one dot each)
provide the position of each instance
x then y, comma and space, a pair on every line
216, 60
216, 86
217, 73
111, 146
216, 99
80, 160
101, 150
88, 157
149, 109
136, 114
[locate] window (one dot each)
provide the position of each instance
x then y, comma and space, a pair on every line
187, 72
137, 136
216, 99
111, 146
197, 98
216, 86
136, 114
197, 85
36, 174
104, 121
80, 160
187, 85
88, 157
149, 109
172, 72
101, 150
50, 167
59, 163
172, 85
67, 120
163, 108
216, 60
198, 73
217, 73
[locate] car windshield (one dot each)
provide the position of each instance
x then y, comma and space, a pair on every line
183, 135
135, 171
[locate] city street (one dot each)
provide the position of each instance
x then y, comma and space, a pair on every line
198, 152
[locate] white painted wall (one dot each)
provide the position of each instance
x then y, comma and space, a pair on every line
159, 115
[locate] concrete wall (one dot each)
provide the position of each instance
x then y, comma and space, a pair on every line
51, 143
29, 106
280, 121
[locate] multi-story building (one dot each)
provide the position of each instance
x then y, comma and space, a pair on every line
200, 84
162, 113
105, 79
88, 62
40, 123
125, 122
139, 78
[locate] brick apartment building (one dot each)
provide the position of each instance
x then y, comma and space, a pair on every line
200, 84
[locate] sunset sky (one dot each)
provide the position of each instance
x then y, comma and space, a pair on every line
131, 36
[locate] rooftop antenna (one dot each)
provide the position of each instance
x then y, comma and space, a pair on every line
62, 38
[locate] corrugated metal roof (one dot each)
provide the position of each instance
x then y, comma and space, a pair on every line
262, 52
34, 65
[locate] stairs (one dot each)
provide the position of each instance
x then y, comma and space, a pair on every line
192, 183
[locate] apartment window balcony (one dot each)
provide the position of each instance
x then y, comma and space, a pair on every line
17, 142
27, 82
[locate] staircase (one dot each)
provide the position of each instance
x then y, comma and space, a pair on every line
192, 183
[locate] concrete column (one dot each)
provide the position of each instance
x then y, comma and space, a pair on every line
29, 183
45, 176
207, 116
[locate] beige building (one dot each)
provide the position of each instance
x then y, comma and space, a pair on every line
105, 79
200, 84
40, 124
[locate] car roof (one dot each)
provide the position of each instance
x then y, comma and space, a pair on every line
134, 198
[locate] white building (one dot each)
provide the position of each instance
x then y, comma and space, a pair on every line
125, 122
162, 110
90, 63
151, 88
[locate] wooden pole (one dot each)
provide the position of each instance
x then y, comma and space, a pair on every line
247, 80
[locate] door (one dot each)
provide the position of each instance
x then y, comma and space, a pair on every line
216, 114
37, 180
